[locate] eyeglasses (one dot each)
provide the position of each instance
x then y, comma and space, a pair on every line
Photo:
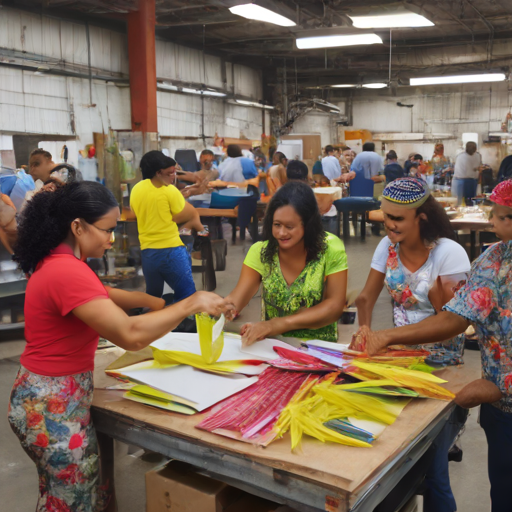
110, 231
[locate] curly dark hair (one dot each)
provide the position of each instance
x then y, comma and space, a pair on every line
45, 222
154, 161
437, 224
301, 198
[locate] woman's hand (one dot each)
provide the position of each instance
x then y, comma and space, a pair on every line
359, 339
252, 332
478, 392
376, 341
213, 304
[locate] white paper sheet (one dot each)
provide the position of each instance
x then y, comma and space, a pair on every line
336, 347
374, 427
233, 351
203, 388
217, 328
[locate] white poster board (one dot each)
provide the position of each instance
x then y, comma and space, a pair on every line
292, 149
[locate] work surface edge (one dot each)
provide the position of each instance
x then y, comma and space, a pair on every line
330, 465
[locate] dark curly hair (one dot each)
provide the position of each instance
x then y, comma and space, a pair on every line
301, 198
437, 224
45, 222
154, 161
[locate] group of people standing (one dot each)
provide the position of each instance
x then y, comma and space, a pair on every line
303, 273
462, 174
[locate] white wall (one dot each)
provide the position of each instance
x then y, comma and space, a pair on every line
453, 110
316, 123
50, 104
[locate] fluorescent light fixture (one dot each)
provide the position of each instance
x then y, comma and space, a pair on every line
459, 79
258, 13
377, 85
168, 87
343, 86
189, 90
400, 20
204, 92
307, 43
253, 104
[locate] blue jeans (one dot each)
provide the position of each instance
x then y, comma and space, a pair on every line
497, 426
173, 266
465, 188
439, 497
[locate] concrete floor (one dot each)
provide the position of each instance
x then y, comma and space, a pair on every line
18, 479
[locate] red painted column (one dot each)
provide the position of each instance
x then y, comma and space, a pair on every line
141, 54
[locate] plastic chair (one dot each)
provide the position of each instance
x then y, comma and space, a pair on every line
225, 201
360, 201
360, 186
187, 159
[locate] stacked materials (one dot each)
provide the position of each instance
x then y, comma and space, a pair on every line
259, 393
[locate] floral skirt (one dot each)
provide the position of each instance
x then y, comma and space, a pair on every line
51, 417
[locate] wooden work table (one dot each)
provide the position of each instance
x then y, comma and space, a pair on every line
317, 477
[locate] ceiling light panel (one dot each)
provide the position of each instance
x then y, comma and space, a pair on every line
400, 20
344, 86
258, 13
377, 85
331, 41
459, 79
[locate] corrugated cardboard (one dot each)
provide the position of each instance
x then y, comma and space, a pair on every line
178, 488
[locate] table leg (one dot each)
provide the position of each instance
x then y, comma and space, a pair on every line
106, 446
472, 245
346, 225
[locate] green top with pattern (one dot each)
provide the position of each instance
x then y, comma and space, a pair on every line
306, 291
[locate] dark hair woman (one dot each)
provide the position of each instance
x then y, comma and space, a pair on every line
160, 207
418, 260
303, 271
421, 265
66, 308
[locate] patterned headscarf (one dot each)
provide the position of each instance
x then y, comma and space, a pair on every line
502, 194
407, 192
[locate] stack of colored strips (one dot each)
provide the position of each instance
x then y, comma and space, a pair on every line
251, 414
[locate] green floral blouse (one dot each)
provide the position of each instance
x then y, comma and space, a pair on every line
307, 290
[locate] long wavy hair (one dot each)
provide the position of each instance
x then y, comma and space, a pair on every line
437, 225
46, 220
301, 198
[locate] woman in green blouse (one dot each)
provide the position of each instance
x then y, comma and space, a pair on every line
302, 268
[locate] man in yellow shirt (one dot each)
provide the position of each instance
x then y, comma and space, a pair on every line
160, 207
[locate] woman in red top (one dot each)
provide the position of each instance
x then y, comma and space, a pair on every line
66, 307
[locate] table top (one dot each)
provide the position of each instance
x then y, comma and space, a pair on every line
343, 468
473, 224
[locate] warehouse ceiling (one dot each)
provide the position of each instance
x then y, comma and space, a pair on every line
469, 35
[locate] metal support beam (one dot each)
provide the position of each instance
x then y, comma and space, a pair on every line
141, 54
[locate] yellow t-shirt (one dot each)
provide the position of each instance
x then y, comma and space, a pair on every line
155, 208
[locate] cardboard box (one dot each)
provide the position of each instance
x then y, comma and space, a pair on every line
176, 487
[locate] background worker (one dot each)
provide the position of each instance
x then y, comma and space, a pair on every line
160, 207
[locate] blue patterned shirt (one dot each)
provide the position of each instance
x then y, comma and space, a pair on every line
486, 301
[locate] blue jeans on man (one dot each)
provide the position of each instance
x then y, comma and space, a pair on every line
465, 188
497, 426
438, 496
172, 266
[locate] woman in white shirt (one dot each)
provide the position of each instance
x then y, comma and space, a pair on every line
421, 264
